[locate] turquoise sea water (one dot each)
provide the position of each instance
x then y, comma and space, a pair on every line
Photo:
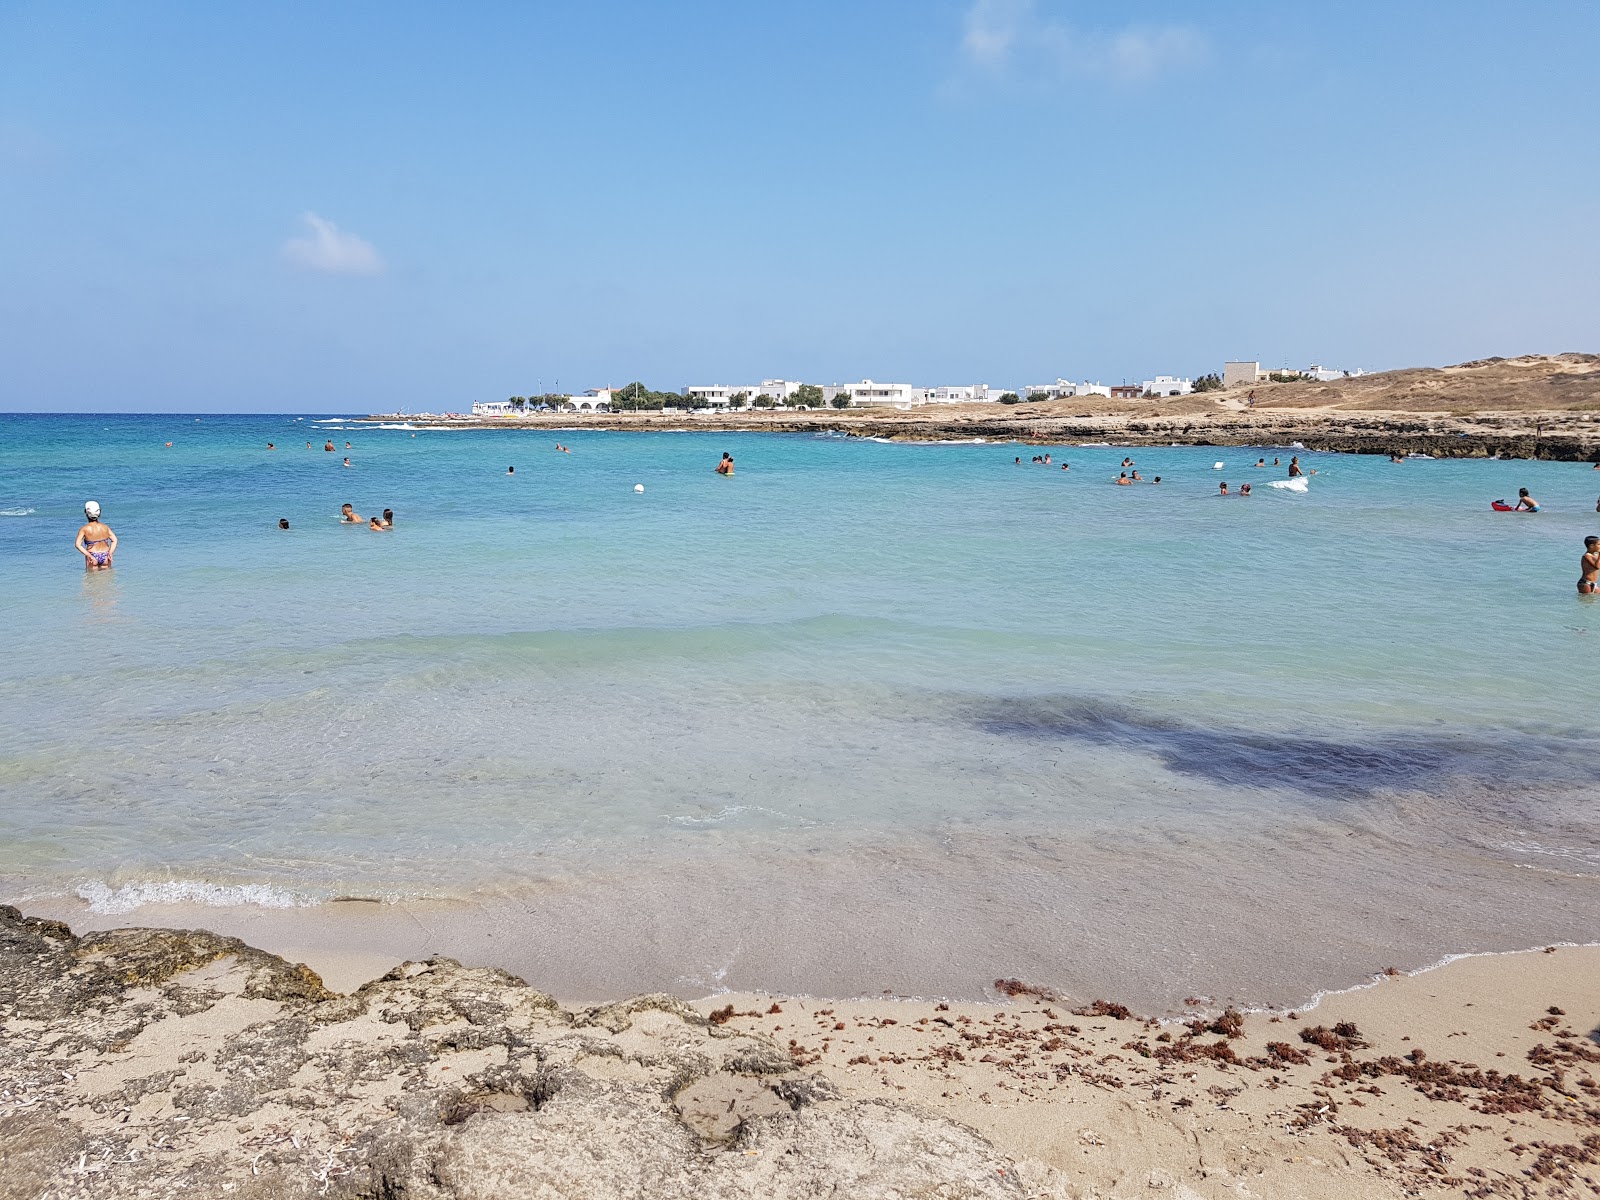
864, 715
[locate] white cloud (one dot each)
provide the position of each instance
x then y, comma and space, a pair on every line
1013, 37
328, 248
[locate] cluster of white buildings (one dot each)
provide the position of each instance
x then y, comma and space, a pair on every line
1248, 374
772, 393
866, 394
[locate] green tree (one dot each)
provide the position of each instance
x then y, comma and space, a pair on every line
738, 399
1208, 383
1286, 377
842, 400
1036, 397
808, 394
763, 401
1010, 398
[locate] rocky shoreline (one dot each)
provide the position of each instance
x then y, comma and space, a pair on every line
148, 1062
1558, 436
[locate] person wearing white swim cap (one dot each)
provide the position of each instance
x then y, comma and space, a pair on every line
95, 541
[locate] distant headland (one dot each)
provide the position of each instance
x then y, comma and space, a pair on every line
1534, 406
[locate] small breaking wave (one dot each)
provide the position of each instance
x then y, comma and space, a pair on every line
103, 898
17, 512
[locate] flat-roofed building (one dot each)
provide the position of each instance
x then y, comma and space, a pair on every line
978, 393
1168, 385
867, 394
720, 394
1063, 388
1242, 374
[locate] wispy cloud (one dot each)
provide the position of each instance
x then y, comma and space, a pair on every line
1003, 37
326, 247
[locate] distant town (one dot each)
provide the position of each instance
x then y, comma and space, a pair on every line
789, 393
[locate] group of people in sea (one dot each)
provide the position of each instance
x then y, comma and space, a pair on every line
349, 516
97, 542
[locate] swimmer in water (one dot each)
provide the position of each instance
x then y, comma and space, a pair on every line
1222, 490
1244, 489
511, 470
1123, 480
1589, 568
1275, 461
347, 445
270, 446
1136, 477
1525, 502
348, 515
95, 540
328, 447
1017, 460
375, 524
1157, 479
1066, 466
1127, 462
1047, 460
1294, 467
388, 518
725, 467
283, 522
347, 462
1261, 462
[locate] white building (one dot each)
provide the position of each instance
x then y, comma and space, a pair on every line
492, 408
1329, 374
869, 394
1063, 388
718, 395
1168, 385
978, 393
593, 400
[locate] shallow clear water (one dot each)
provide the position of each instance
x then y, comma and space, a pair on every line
863, 715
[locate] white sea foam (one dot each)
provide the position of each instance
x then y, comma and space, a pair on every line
16, 512
401, 425
103, 898
1290, 485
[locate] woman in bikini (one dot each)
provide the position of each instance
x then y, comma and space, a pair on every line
95, 541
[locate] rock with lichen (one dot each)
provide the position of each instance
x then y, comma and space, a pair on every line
153, 1062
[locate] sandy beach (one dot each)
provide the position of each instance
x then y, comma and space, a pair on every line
148, 1062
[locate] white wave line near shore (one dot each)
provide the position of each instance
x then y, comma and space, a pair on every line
103, 898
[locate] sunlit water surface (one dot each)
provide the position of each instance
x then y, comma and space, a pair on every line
864, 715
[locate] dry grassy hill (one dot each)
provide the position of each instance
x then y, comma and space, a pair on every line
1531, 383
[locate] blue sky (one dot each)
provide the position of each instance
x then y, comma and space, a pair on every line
357, 207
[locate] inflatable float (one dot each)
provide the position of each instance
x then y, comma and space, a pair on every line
1502, 506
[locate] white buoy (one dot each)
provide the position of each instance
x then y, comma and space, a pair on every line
1216, 466
638, 487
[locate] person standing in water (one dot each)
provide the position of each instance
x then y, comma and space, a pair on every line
95, 540
1589, 568
725, 467
1294, 467
388, 518
1525, 502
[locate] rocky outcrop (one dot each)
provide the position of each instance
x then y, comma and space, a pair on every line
152, 1062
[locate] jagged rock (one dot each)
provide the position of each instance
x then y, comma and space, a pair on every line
148, 1062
